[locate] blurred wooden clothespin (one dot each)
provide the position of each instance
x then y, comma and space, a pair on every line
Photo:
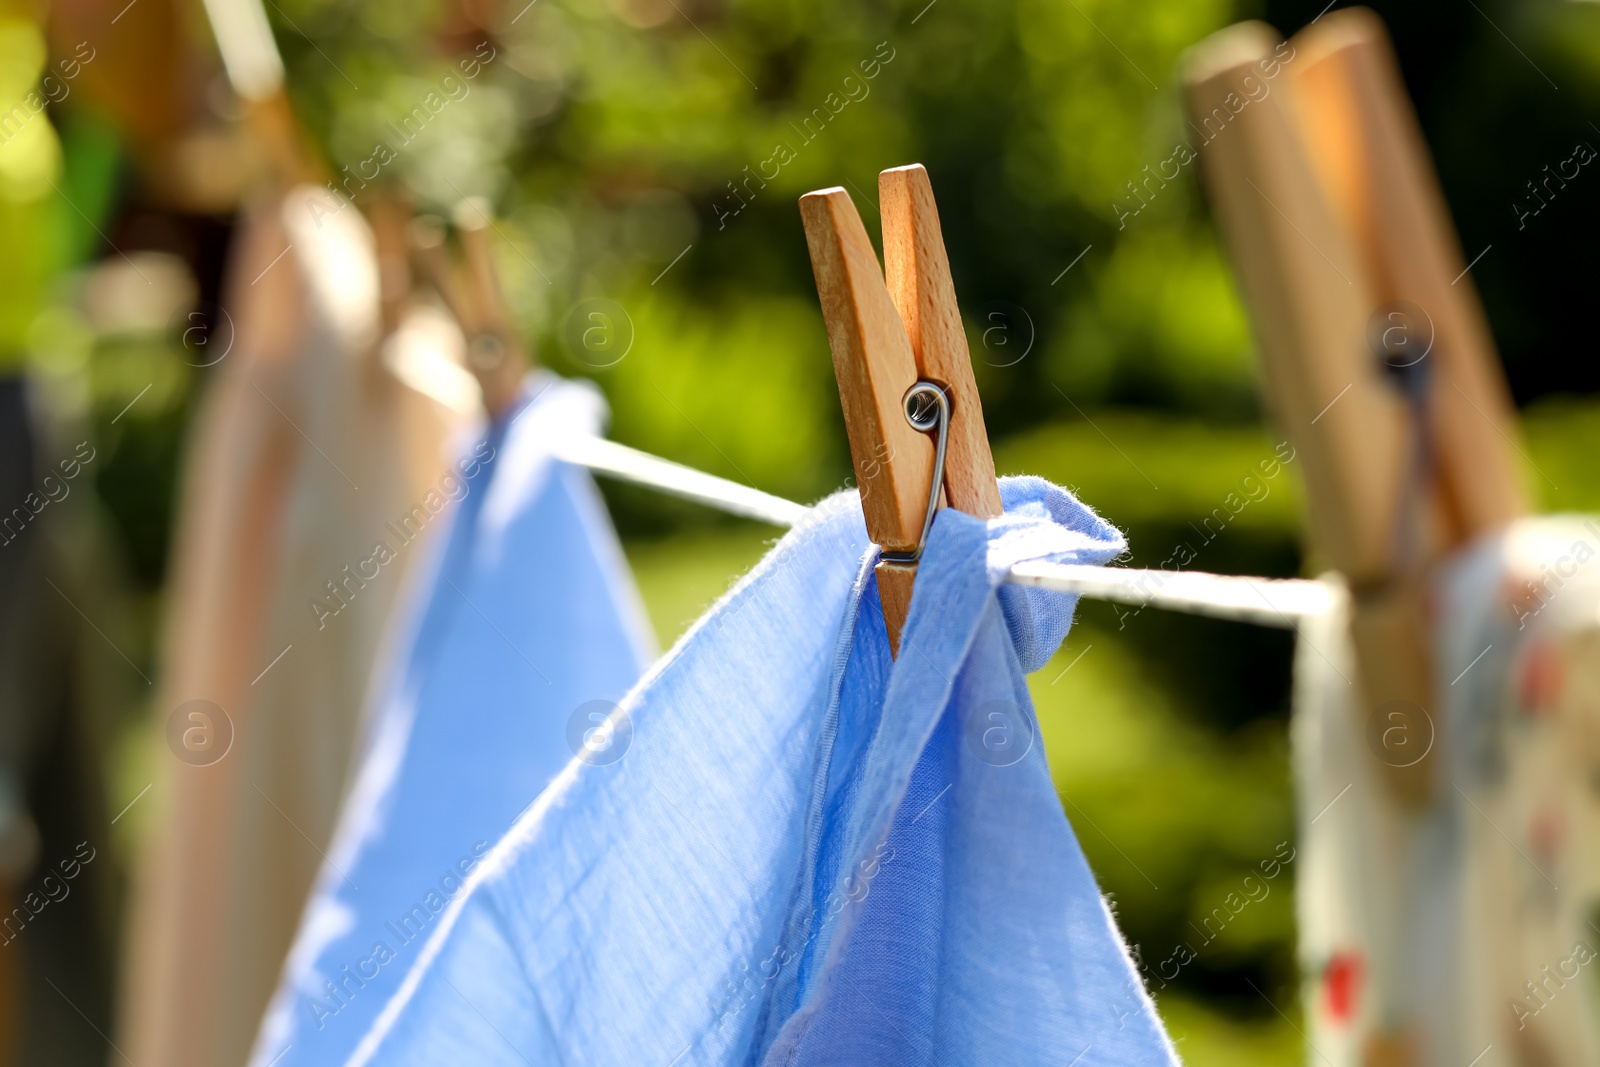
470, 287
891, 343
286, 147
1376, 362
255, 70
1367, 148
390, 215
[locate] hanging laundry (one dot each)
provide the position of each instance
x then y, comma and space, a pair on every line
305, 449
808, 853
518, 641
1522, 726
1355, 848
1467, 926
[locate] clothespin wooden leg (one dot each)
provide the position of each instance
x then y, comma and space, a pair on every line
1308, 295
390, 216
1365, 144
884, 346
918, 275
473, 294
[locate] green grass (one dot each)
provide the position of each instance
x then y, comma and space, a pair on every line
681, 576
1206, 1038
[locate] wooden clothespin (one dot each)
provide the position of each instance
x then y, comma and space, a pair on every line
390, 216
471, 290
889, 342
1329, 164
1325, 174
1366, 145
286, 148
1312, 297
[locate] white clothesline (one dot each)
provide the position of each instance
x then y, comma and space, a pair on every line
641, 468
1279, 602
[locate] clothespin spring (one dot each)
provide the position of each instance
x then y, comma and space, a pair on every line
927, 408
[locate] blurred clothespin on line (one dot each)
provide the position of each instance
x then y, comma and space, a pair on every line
901, 359
470, 287
390, 215
1376, 354
255, 70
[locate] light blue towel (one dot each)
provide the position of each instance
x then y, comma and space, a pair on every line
523, 626
807, 855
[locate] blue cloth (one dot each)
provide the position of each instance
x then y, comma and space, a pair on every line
809, 855
519, 629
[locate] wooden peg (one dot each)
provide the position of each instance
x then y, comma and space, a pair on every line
873, 362
1311, 299
1367, 149
918, 276
884, 344
1367, 146
390, 216
288, 153
494, 351
472, 293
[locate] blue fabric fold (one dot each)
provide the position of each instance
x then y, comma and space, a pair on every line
520, 635
810, 854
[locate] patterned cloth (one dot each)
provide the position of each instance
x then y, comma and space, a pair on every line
1468, 924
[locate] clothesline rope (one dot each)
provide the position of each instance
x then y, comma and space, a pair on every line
641, 468
1278, 602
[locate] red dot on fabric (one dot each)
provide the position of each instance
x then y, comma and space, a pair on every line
1341, 986
1541, 678
1547, 833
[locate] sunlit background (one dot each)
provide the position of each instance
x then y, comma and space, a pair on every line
644, 157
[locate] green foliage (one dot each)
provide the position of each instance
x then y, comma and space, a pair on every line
1563, 438
614, 139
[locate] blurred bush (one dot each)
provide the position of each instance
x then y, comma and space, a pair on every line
617, 138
